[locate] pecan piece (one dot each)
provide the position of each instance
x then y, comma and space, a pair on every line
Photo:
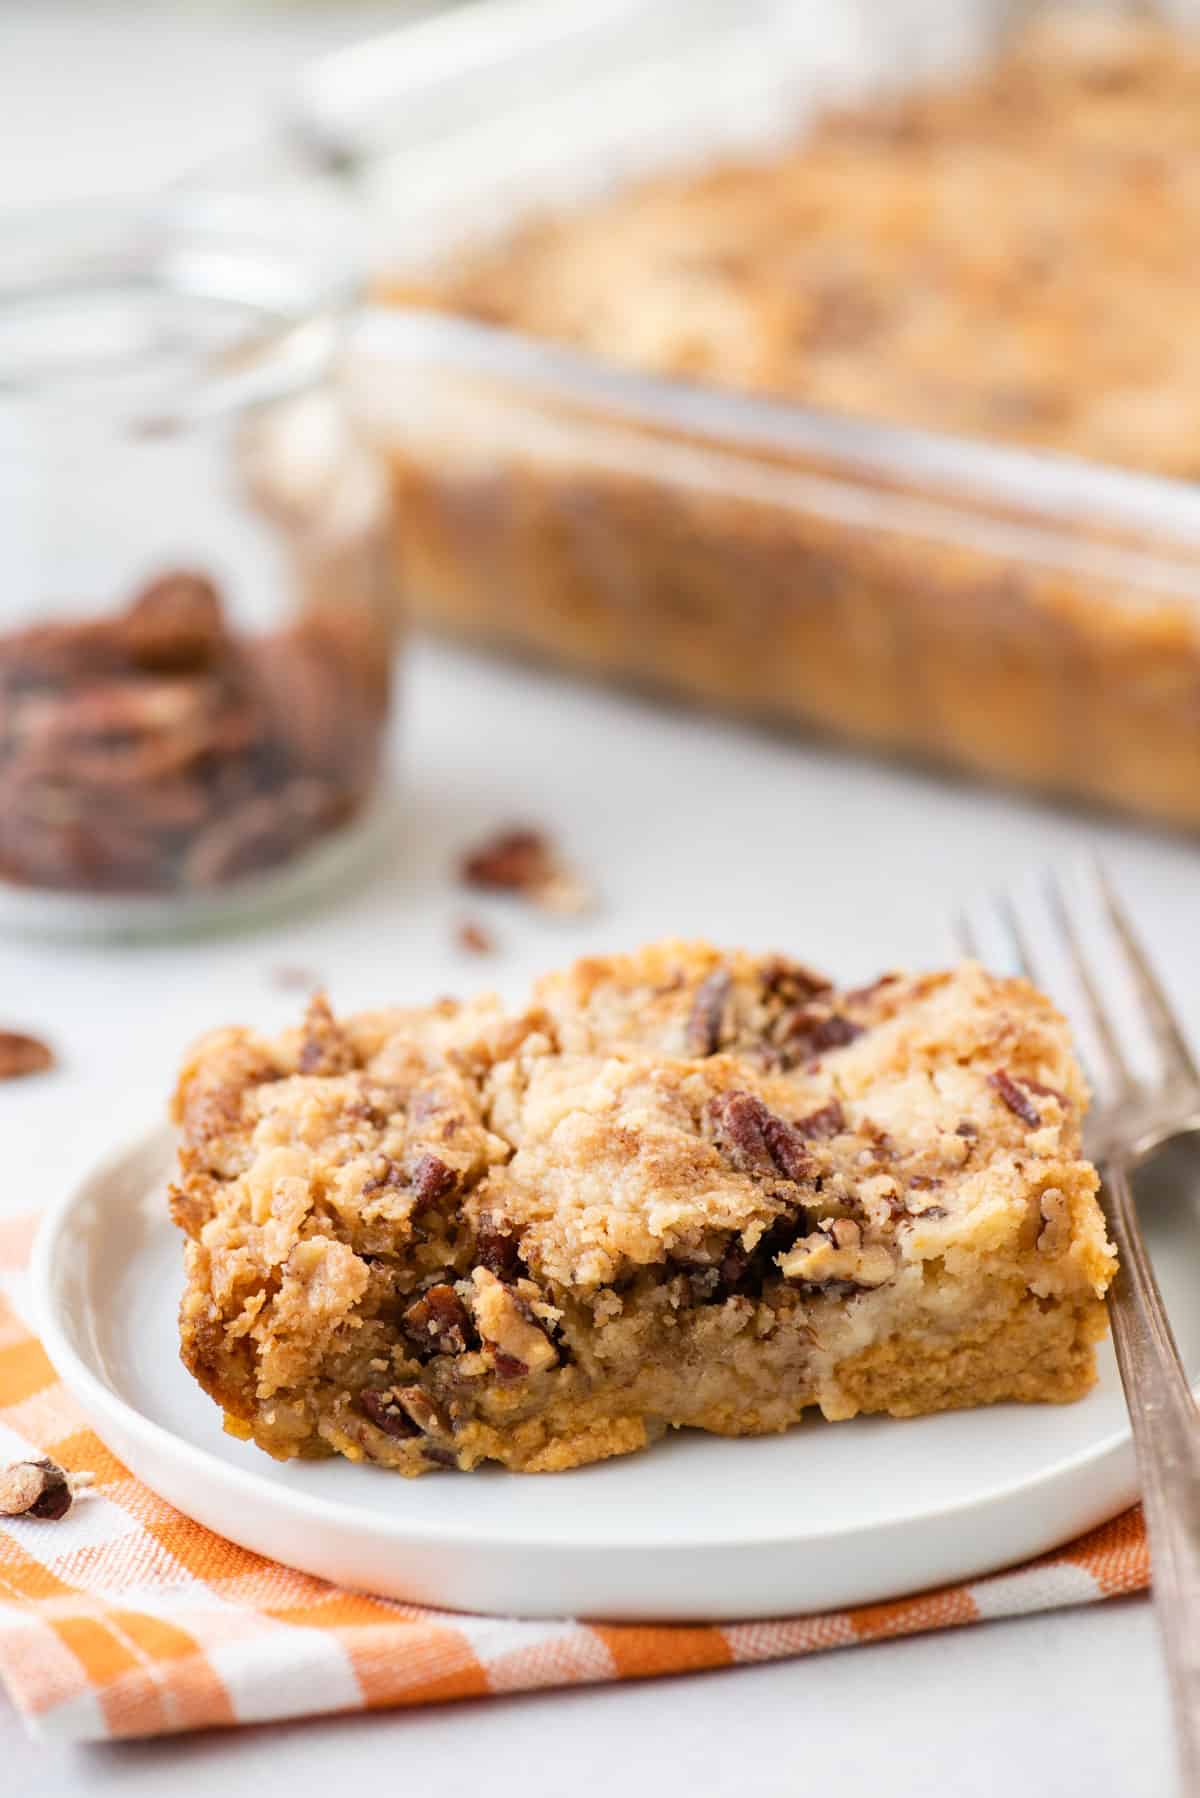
418, 1405
438, 1321
524, 861
175, 624
431, 1180
508, 1327
789, 983
438, 1456
1017, 1100
39, 1488
497, 1249
835, 1255
810, 1032
473, 938
385, 1413
703, 1031
828, 1121
755, 1139
21, 1055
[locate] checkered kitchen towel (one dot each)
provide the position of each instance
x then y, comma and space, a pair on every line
127, 1619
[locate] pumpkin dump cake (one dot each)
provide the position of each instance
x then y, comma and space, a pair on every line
1009, 257
682, 1188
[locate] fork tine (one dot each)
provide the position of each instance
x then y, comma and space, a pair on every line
1016, 931
1106, 1037
968, 942
1170, 1039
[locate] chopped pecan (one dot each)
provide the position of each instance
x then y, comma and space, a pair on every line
385, 1413
703, 1032
472, 937
508, 1327
1018, 1101
835, 1254
497, 1248
39, 1488
439, 1456
509, 1368
431, 1180
789, 983
21, 1054
755, 1139
438, 1321
175, 624
524, 861
416, 1402
511, 861
811, 1032
828, 1121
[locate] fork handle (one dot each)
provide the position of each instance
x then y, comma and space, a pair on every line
1167, 1442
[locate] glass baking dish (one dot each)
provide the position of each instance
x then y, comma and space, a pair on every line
1012, 612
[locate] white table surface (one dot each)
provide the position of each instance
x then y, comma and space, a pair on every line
689, 828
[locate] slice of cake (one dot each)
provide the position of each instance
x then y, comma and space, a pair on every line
682, 1188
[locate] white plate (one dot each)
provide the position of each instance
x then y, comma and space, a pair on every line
700, 1527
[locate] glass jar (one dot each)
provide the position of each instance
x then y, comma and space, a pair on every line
196, 607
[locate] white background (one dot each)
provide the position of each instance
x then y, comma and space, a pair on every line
688, 828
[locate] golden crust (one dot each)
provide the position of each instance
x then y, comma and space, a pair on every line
682, 1188
1011, 256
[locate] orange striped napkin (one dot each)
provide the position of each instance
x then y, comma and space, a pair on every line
127, 1619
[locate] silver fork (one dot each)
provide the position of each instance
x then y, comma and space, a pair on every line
1134, 1114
